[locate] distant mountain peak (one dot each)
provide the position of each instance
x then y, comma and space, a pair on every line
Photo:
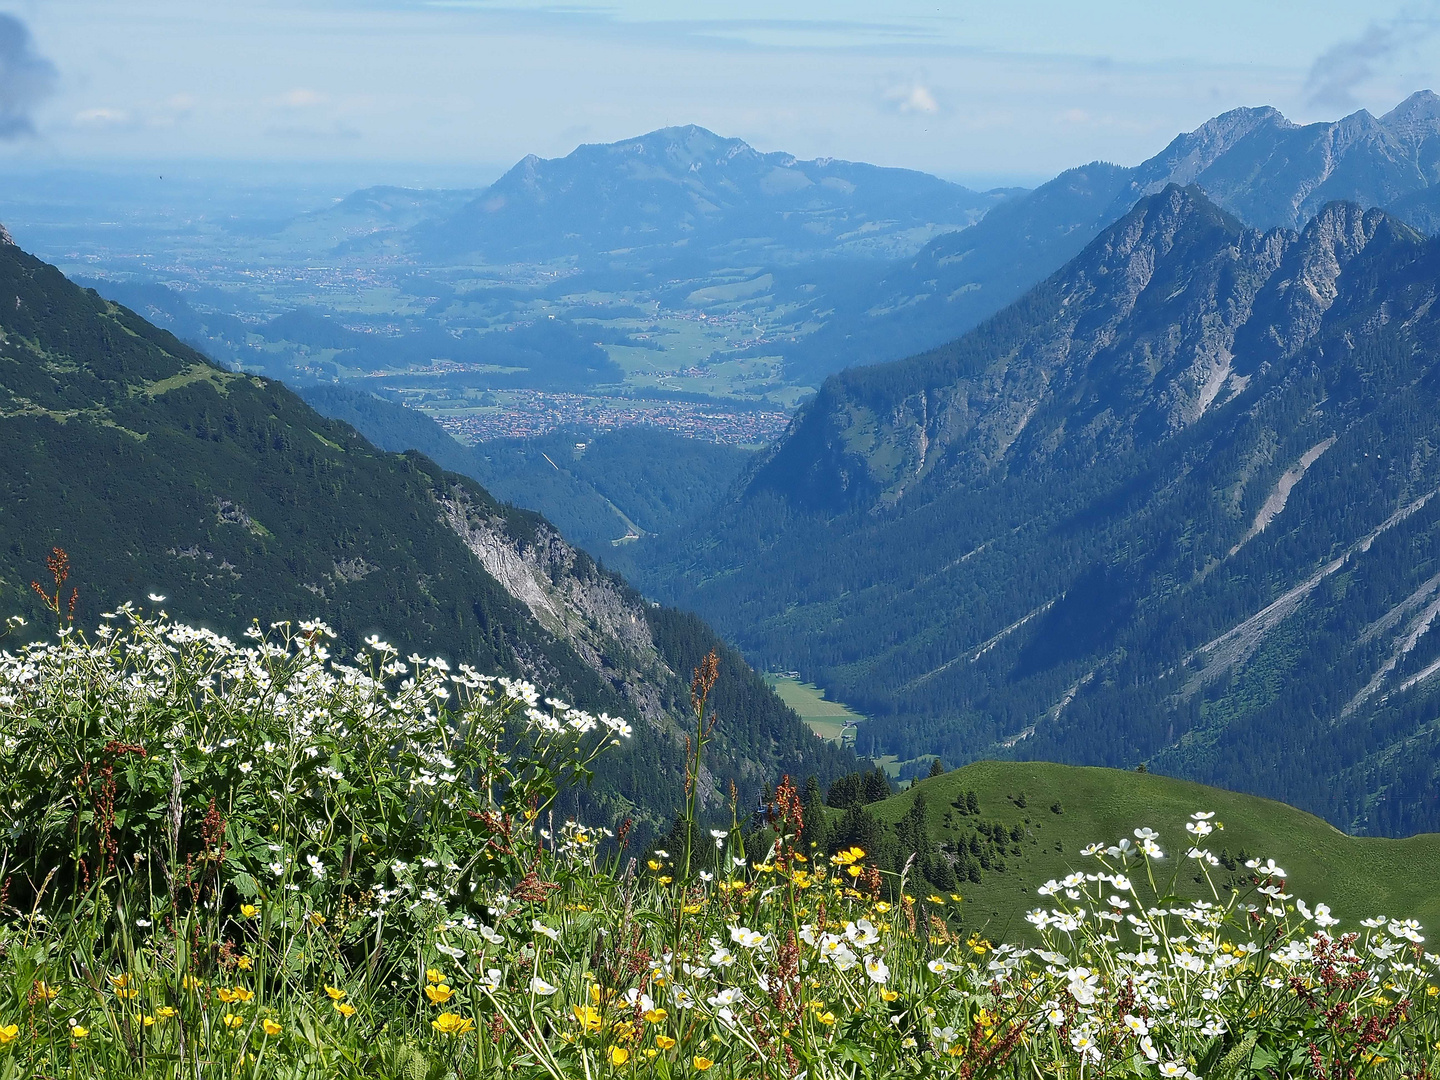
1421, 107
670, 186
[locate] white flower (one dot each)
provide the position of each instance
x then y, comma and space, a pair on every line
540, 928
1084, 1045
1136, 1024
728, 996
489, 934
154, 599
747, 938
277, 868
938, 967
316, 867
876, 969
451, 951
491, 980
541, 987
1147, 1047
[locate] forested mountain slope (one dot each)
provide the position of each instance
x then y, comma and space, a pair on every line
1261, 167
160, 472
617, 484
1174, 506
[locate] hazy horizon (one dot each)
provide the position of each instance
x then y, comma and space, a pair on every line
433, 91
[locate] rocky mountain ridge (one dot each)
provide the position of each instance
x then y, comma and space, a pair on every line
1174, 507
1252, 162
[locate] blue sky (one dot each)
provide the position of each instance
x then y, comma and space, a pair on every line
452, 88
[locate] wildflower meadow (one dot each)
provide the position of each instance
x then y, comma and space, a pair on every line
259, 859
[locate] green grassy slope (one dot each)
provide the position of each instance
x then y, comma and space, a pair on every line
1356, 876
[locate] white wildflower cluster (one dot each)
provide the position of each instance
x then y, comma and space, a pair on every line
327, 764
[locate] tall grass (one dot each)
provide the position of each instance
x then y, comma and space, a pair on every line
249, 860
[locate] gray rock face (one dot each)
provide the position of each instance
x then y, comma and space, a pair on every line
590, 612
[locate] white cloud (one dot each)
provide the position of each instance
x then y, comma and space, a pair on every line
299, 98
912, 97
103, 119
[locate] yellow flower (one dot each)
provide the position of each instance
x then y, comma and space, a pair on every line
8, 1033
655, 1016
165, 1012
889, 995
336, 994
438, 995
229, 997
1431, 991
120, 982
249, 911
434, 975
702, 1063
932, 898
128, 995
270, 1027
692, 909
826, 1017
233, 1021
345, 1009
316, 919
664, 1042
665, 879
651, 1052
619, 1055
244, 963
80, 1032
45, 992
854, 871
588, 1017
448, 1023
190, 982
652, 864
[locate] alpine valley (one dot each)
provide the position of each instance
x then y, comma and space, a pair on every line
1175, 507
158, 471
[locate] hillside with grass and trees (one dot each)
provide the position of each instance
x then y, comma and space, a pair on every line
159, 473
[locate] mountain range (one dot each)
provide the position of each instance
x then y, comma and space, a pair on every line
225, 494
1172, 507
1253, 162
